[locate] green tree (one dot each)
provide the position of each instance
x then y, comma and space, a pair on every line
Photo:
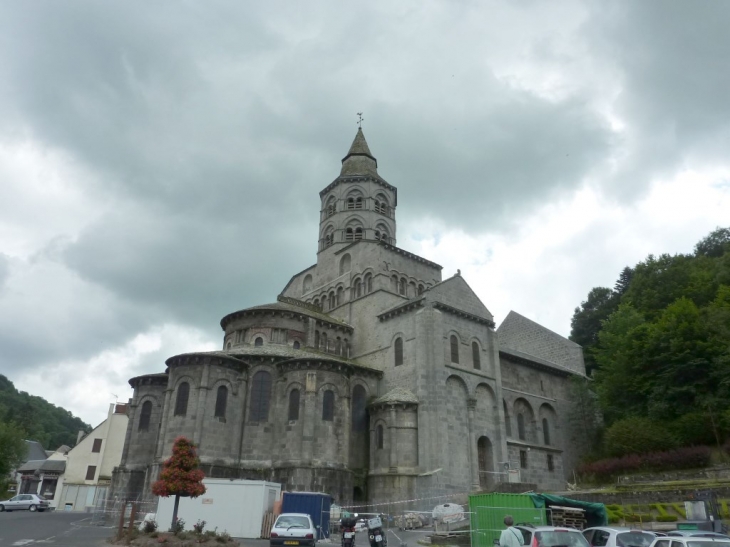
715, 244
180, 475
584, 415
13, 451
587, 319
636, 435
623, 281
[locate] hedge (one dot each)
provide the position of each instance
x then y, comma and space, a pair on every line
667, 518
681, 458
639, 517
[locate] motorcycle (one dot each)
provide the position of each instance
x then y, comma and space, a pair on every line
348, 531
375, 533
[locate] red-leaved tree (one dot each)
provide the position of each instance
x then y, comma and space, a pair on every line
180, 475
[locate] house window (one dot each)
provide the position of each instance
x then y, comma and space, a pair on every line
379, 437
454, 349
398, 351
523, 459
181, 401
258, 342
328, 406
221, 401
293, 405
97, 446
260, 397
359, 412
550, 463
144, 416
521, 426
546, 431
475, 356
90, 472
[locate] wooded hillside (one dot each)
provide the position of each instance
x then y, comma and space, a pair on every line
40, 421
658, 346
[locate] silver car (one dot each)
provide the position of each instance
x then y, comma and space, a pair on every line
552, 536
31, 502
618, 536
691, 541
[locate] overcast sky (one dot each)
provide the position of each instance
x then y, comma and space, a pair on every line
160, 162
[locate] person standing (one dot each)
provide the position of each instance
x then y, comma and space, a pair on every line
511, 537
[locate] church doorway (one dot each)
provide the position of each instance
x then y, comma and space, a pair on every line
357, 495
486, 463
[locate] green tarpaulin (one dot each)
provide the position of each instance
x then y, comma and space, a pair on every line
596, 514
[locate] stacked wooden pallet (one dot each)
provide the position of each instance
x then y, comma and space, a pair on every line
266, 523
570, 517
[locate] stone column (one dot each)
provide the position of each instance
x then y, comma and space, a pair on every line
473, 455
203, 389
164, 417
346, 425
238, 415
310, 404
393, 438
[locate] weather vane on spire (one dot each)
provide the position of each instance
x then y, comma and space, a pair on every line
359, 119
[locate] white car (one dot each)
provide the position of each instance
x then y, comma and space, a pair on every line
31, 502
616, 536
690, 541
293, 529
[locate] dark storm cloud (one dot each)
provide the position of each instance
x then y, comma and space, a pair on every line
670, 61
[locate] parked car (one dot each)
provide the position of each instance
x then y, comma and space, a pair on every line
701, 533
31, 502
617, 536
552, 536
692, 540
293, 529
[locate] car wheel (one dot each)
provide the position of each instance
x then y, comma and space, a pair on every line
2, 508
32, 508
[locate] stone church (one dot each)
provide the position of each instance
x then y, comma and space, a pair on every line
370, 378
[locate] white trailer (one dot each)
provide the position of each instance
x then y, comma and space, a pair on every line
233, 506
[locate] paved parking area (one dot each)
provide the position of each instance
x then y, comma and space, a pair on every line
56, 529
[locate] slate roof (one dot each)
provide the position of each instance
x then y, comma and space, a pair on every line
284, 306
35, 451
31, 466
396, 395
525, 338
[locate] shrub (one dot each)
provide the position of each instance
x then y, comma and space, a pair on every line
667, 518
637, 435
613, 520
680, 510
177, 527
682, 458
198, 526
639, 517
693, 429
613, 507
149, 526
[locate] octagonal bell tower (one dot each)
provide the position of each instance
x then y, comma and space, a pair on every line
359, 204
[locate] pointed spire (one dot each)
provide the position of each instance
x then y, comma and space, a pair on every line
359, 160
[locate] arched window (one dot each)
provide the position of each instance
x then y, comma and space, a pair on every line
323, 339
398, 351
307, 284
316, 302
521, 426
359, 412
328, 406
258, 342
546, 431
349, 235
293, 405
331, 206
507, 419
340, 298
368, 283
394, 283
484, 459
332, 300
379, 437
296, 344
420, 290
329, 237
338, 345
454, 349
181, 401
475, 357
144, 416
358, 288
346, 348
381, 204
402, 287
221, 400
350, 203
228, 345
260, 397
358, 233
316, 339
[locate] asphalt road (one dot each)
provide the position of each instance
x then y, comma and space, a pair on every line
63, 529
55, 529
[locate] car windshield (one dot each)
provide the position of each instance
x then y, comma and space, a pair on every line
705, 543
291, 521
634, 539
561, 538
